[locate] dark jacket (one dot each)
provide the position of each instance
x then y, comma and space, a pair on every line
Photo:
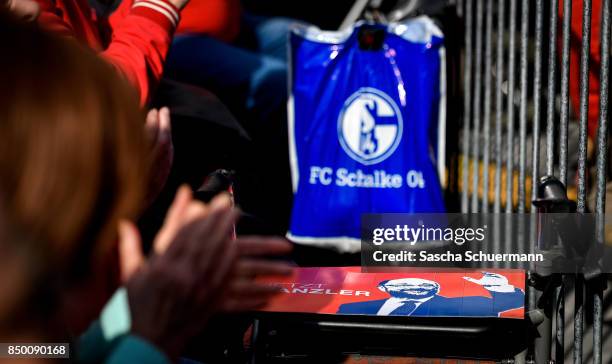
443, 306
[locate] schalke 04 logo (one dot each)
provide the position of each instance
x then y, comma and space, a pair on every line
370, 126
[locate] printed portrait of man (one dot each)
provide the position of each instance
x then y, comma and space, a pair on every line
419, 297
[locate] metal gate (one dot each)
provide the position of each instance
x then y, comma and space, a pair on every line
517, 127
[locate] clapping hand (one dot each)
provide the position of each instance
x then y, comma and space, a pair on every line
196, 270
173, 294
245, 292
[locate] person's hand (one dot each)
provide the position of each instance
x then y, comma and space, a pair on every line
245, 292
159, 130
183, 210
179, 3
172, 295
492, 282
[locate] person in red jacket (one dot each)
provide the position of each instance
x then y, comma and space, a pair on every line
135, 38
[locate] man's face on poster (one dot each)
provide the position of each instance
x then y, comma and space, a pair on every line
412, 288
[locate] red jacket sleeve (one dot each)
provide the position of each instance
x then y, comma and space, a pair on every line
140, 35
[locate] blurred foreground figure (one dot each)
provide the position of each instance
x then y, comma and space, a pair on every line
17, 275
73, 172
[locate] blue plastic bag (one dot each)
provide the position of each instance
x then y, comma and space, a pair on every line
366, 110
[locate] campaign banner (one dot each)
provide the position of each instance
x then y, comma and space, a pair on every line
347, 290
366, 110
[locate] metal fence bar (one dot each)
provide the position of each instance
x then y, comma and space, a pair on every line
552, 74
467, 105
487, 105
478, 98
602, 128
499, 104
473, 84
537, 97
523, 107
578, 318
565, 103
597, 325
477, 105
510, 123
560, 322
602, 154
563, 130
541, 345
582, 156
584, 104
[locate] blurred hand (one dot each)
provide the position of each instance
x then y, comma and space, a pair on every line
173, 294
184, 210
179, 3
159, 130
245, 293
196, 270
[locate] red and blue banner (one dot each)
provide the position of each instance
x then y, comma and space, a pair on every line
347, 290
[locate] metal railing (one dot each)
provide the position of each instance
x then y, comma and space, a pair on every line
503, 113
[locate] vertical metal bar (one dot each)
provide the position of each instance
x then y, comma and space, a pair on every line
542, 343
597, 325
537, 96
354, 14
552, 74
477, 102
523, 107
510, 124
602, 153
563, 124
520, 238
582, 156
560, 323
584, 104
578, 318
467, 105
602, 128
487, 105
565, 68
499, 103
